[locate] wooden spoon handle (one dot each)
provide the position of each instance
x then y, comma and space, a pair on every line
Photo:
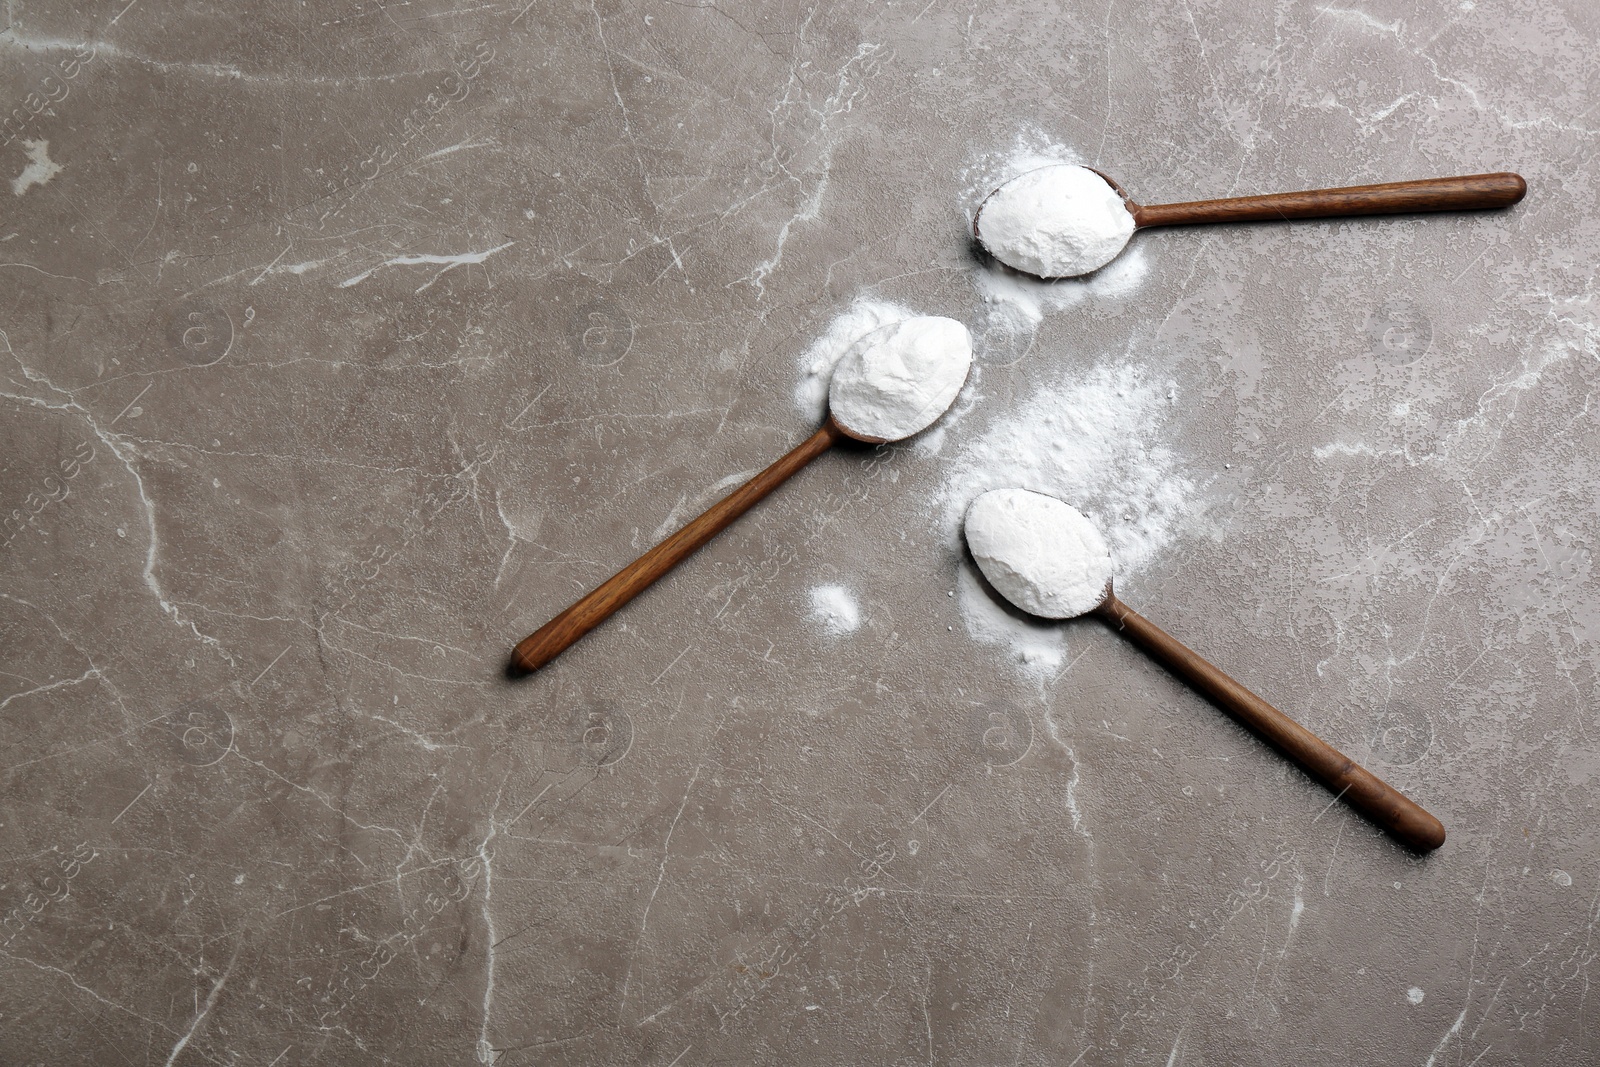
1360, 788
1429, 194
551, 639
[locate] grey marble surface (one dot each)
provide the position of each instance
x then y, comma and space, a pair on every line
344, 343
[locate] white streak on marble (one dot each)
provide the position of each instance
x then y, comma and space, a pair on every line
106, 49
422, 741
124, 452
339, 809
840, 101
39, 170
1455, 1028
1053, 728
268, 269
1361, 18
616, 94
485, 1048
456, 11
92, 672
448, 262
661, 875
70, 977
1073, 810
41, 270
211, 1002
511, 539
389, 666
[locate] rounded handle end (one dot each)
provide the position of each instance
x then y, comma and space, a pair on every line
1517, 187
1409, 822
1419, 831
520, 665
546, 643
543, 645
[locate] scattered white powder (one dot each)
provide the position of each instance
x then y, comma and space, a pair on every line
1094, 442
1037, 646
898, 380
836, 609
1038, 552
1414, 995
1056, 222
1014, 304
816, 366
1030, 297
1029, 150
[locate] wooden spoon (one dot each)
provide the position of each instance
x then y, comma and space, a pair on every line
1469, 192
849, 418
1020, 568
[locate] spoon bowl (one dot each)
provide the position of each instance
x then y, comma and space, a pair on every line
1046, 557
899, 379
1055, 222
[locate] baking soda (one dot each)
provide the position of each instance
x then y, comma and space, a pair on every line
835, 609
1038, 646
1013, 304
898, 380
1058, 221
1038, 552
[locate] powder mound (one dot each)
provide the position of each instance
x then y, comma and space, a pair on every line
1041, 554
1056, 222
897, 380
835, 609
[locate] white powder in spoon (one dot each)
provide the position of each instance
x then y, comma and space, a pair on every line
897, 380
1055, 222
1038, 552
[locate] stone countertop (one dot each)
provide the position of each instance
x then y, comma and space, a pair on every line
345, 343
